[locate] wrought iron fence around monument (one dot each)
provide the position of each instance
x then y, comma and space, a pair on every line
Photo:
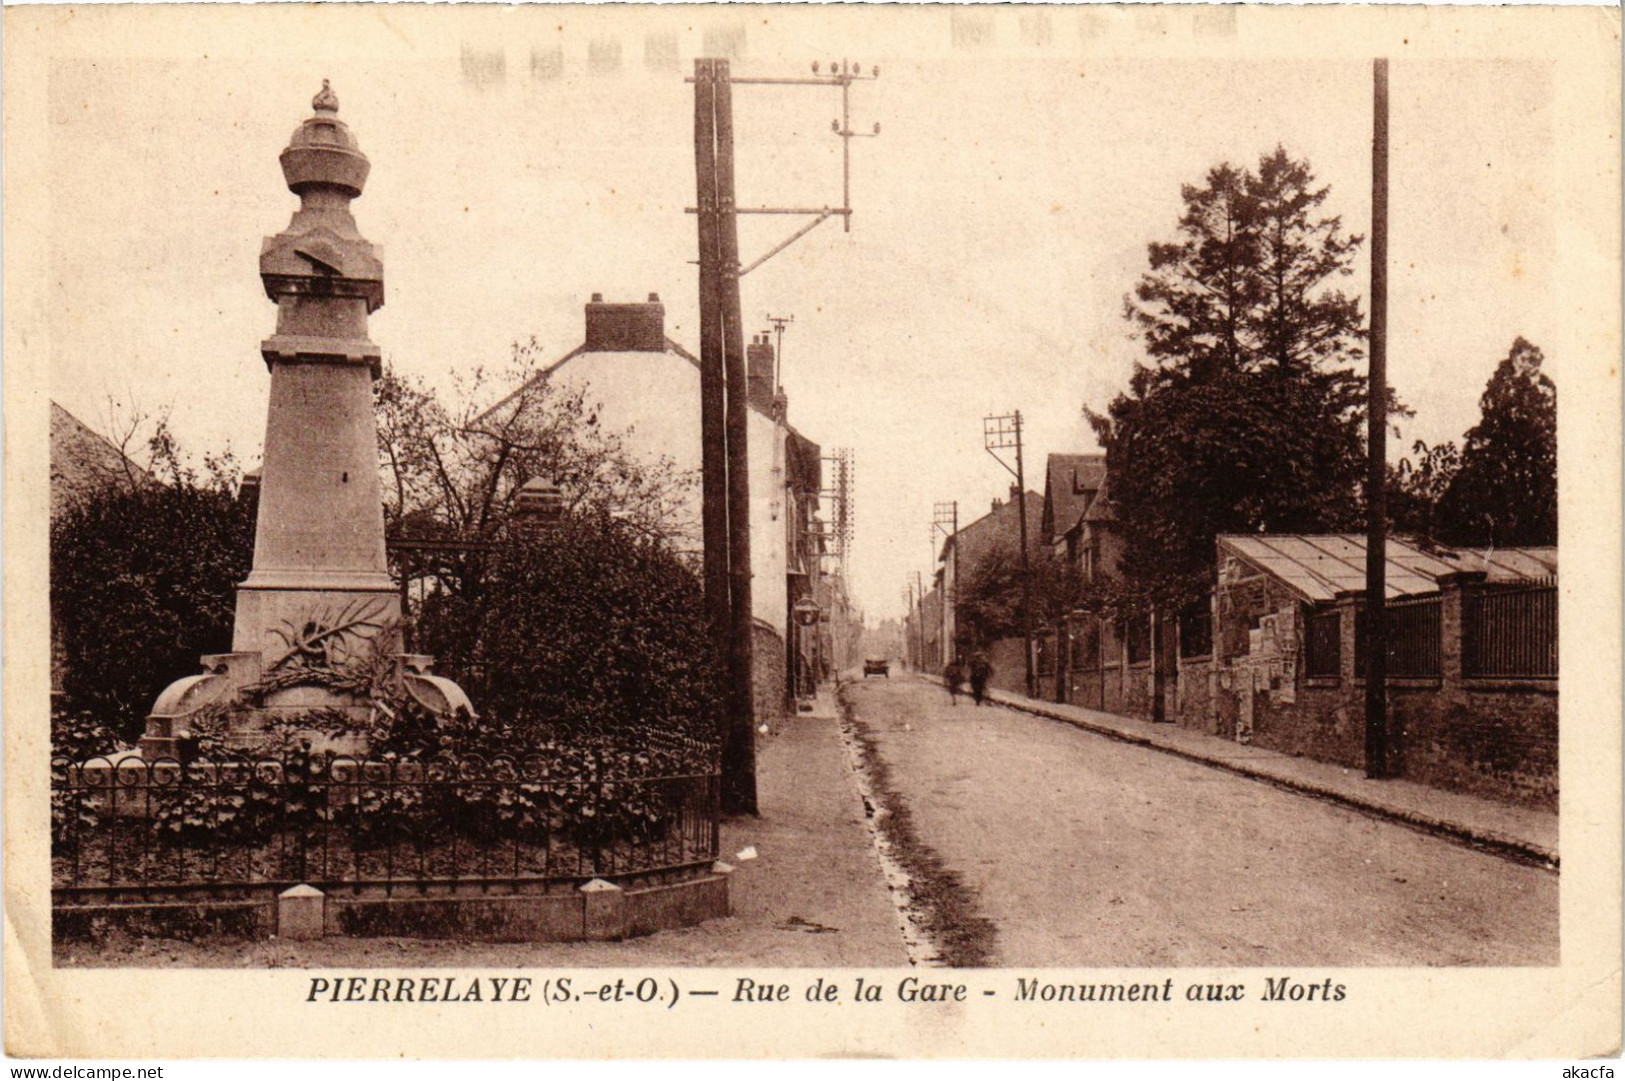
241, 827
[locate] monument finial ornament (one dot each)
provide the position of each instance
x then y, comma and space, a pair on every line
322, 154
325, 100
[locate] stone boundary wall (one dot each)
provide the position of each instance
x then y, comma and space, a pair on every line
1495, 742
1137, 692
1191, 695
768, 676
1490, 738
1105, 685
599, 910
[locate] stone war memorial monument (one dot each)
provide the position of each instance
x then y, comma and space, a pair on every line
318, 779
317, 627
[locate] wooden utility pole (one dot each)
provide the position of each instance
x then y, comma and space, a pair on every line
779, 323
955, 596
1026, 564
1003, 433
739, 784
919, 618
725, 476
1376, 553
713, 440
908, 621
724, 395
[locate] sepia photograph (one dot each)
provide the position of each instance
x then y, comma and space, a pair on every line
950, 520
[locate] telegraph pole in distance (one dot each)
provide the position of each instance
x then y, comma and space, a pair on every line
956, 579
919, 618
1003, 433
779, 323
945, 517
1376, 544
908, 616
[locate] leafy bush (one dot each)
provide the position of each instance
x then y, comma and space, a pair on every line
78, 734
584, 628
143, 582
239, 801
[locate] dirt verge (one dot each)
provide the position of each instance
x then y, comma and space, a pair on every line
937, 901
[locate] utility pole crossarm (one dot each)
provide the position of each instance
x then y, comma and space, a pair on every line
1002, 433
842, 74
825, 211
791, 239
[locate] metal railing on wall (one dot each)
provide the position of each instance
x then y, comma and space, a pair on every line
1413, 638
1510, 631
241, 826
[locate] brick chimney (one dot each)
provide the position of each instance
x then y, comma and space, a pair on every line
759, 358
626, 328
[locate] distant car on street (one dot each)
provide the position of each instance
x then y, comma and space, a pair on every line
876, 667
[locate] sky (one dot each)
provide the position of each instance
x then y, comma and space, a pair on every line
524, 160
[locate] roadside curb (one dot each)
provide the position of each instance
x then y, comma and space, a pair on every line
1476, 837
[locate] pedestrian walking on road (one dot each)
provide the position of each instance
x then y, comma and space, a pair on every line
954, 676
980, 670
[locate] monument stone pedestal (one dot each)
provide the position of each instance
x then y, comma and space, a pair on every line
316, 634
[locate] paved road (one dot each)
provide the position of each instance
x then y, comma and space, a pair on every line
1087, 851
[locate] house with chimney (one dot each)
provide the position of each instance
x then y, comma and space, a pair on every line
646, 386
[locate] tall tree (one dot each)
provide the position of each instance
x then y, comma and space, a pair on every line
1505, 491
1192, 306
1249, 415
454, 465
990, 596
1416, 488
